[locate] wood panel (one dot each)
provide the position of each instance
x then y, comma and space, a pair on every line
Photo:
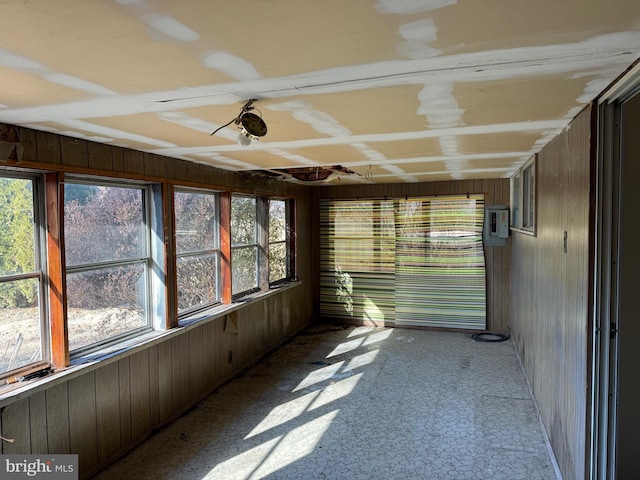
140, 403
57, 399
74, 152
184, 372
196, 380
550, 293
165, 382
16, 426
108, 410
209, 355
154, 388
99, 156
133, 161
29, 144
48, 147
124, 381
83, 419
38, 419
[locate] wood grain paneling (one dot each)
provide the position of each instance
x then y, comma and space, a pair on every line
154, 389
107, 410
38, 419
196, 375
140, 404
16, 426
165, 382
550, 293
57, 399
124, 388
497, 259
48, 147
74, 152
99, 156
83, 420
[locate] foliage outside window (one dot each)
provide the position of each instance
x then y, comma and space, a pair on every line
278, 241
244, 244
23, 339
107, 260
197, 249
523, 198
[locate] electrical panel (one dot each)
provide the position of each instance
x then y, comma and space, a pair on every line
496, 225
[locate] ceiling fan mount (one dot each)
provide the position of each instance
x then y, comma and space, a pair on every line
252, 126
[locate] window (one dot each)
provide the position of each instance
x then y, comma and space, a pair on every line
23, 332
516, 186
244, 244
523, 198
107, 248
528, 197
197, 249
278, 241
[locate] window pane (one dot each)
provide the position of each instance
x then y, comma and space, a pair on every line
244, 263
104, 303
277, 221
16, 226
197, 281
277, 261
103, 223
195, 221
243, 220
20, 332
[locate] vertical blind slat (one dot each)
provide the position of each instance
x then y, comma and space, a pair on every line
416, 261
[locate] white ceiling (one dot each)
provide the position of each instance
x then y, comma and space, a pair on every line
394, 90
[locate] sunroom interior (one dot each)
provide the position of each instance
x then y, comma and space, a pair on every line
185, 187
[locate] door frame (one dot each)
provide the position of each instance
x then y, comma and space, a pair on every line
605, 319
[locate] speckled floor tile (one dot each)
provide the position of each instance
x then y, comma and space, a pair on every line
349, 403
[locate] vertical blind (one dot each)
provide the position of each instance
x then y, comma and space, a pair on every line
414, 261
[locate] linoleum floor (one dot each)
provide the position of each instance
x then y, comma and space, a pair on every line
347, 403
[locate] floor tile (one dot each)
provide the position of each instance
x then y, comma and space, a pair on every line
359, 403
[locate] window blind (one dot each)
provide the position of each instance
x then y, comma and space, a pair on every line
417, 261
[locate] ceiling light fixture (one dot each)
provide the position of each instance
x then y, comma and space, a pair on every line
252, 126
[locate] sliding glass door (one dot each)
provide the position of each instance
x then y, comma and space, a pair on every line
417, 261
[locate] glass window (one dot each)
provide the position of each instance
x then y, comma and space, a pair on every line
244, 245
528, 197
523, 198
197, 249
107, 258
22, 334
278, 241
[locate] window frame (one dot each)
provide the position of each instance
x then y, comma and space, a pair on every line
216, 251
235, 246
287, 241
146, 260
39, 272
523, 192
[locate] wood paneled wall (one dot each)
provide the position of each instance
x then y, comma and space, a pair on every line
498, 259
102, 410
550, 288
